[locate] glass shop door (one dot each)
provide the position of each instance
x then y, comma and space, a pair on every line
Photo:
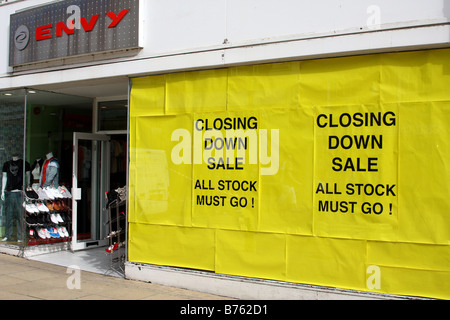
90, 181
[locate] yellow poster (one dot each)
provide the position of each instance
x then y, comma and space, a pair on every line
226, 169
356, 172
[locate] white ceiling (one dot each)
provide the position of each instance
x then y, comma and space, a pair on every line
100, 88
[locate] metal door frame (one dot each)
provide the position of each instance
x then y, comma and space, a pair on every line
96, 209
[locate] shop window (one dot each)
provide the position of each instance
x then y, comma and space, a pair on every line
51, 120
14, 169
37, 126
112, 115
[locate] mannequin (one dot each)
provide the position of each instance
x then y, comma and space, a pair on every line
36, 172
12, 185
50, 172
19, 181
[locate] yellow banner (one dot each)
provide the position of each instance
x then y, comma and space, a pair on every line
332, 172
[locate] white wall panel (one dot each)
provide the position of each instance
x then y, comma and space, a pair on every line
181, 35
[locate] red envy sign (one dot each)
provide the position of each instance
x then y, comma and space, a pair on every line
44, 32
71, 28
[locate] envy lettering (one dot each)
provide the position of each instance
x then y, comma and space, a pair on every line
75, 21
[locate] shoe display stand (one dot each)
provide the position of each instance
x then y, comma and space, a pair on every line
48, 216
116, 236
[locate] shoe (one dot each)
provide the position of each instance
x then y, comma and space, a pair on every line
56, 206
66, 217
30, 208
31, 221
47, 233
65, 192
42, 207
34, 208
40, 220
27, 207
63, 232
62, 205
49, 193
59, 218
112, 248
57, 193
53, 233
42, 194
31, 194
122, 193
42, 234
53, 218
66, 232
61, 192
53, 192
4, 239
49, 207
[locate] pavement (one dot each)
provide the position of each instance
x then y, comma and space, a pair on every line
23, 279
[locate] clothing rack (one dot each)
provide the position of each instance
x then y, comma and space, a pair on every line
116, 235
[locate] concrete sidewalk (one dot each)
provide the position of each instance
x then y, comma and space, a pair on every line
22, 279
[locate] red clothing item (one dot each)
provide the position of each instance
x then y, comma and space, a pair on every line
44, 170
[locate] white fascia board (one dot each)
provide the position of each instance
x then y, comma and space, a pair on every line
425, 37
351, 44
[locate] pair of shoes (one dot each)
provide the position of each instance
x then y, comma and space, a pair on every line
30, 207
63, 232
57, 206
54, 192
60, 206
42, 207
33, 221
42, 194
50, 193
56, 218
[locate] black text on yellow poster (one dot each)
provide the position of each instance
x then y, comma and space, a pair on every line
229, 151
356, 169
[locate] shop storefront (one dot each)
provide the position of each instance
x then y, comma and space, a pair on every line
254, 160
53, 133
64, 155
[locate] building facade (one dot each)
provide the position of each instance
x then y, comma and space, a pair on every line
267, 149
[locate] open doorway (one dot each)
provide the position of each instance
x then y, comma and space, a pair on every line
101, 169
